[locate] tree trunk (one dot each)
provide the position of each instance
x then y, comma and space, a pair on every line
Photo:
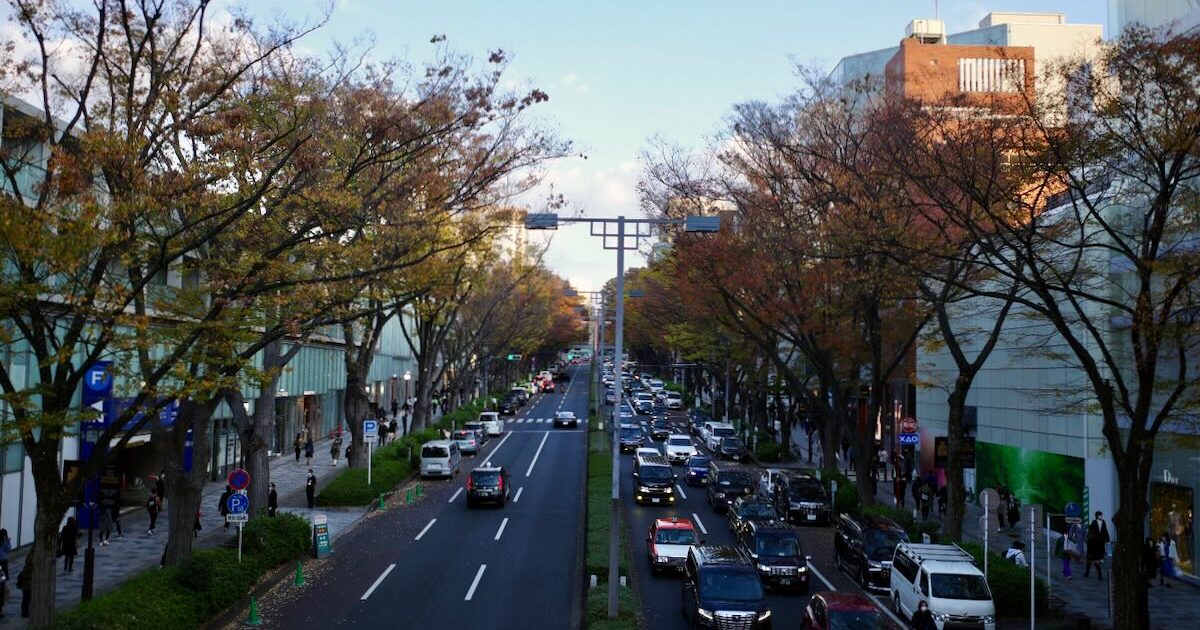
254, 433
357, 407
1131, 606
44, 556
956, 495
864, 453
184, 487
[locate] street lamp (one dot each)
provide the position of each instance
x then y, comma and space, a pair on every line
614, 235
407, 411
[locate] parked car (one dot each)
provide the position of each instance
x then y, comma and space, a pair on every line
668, 541
777, 554
697, 470
679, 448
745, 510
492, 424
566, 419
864, 546
440, 458
721, 589
831, 610
467, 440
488, 484
478, 428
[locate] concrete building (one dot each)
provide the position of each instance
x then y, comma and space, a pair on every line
1180, 15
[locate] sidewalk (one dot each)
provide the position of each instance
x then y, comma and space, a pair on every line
1175, 607
137, 551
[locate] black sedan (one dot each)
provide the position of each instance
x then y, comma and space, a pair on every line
747, 509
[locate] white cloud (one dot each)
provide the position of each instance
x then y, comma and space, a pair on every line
571, 80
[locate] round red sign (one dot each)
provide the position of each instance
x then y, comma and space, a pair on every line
908, 424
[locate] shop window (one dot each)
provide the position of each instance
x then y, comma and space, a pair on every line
1171, 512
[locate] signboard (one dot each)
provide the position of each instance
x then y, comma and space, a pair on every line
941, 452
238, 519
237, 503
321, 545
370, 439
110, 486
908, 424
370, 428
909, 438
239, 479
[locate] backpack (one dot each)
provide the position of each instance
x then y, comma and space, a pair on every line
151, 503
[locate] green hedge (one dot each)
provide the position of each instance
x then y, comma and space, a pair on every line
768, 451
1009, 584
204, 585
599, 499
915, 528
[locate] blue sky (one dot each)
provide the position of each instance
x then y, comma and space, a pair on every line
620, 72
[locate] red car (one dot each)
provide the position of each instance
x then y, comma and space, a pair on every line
668, 541
829, 610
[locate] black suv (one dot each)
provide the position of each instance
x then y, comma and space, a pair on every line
488, 484
727, 482
802, 499
659, 429
744, 510
864, 546
654, 480
731, 448
721, 590
509, 405
631, 438
777, 554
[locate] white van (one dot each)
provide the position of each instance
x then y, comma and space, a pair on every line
440, 458
716, 431
492, 423
945, 577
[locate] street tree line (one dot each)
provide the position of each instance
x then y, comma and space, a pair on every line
188, 196
861, 227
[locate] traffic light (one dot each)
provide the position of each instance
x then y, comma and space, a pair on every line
513, 357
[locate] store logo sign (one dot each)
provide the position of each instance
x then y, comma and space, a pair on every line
1169, 478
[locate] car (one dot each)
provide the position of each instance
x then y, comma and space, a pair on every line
440, 458
721, 589
696, 420
731, 447
521, 393
645, 450
659, 429
777, 554
863, 547
801, 498
548, 385
697, 470
745, 510
488, 484
667, 543
716, 431
492, 424
631, 439
727, 482
679, 448
478, 428
468, 441
566, 419
831, 610
509, 405
610, 397
946, 578
654, 480
674, 400
561, 376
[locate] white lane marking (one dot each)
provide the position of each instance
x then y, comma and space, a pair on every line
475, 582
822, 578
885, 609
699, 524
379, 580
455, 496
535, 455
681, 492
506, 436
431, 522
500, 532
518, 496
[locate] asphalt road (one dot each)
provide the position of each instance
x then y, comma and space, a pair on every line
661, 594
437, 564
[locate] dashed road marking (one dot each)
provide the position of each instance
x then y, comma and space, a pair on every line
538, 453
431, 522
681, 492
379, 580
500, 532
887, 610
475, 582
455, 495
699, 524
518, 496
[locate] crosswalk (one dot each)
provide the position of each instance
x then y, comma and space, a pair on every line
531, 420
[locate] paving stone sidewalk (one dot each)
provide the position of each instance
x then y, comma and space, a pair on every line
137, 551
1170, 608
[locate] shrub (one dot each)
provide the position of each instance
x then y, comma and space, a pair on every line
277, 540
350, 487
846, 500
768, 451
1009, 584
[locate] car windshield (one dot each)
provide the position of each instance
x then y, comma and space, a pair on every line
757, 509
698, 462
855, 620
473, 426
735, 479
778, 545
485, 477
680, 441
808, 490
675, 537
435, 451
881, 543
629, 434
731, 443
959, 586
660, 423
655, 473
730, 585
723, 431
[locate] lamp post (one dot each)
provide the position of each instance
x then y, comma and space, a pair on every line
615, 236
407, 411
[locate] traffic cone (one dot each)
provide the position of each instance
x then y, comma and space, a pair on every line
299, 581
408, 496
254, 619
418, 491
382, 503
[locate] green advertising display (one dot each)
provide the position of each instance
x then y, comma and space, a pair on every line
1048, 479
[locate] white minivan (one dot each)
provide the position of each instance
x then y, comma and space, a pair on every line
716, 431
440, 458
946, 578
492, 423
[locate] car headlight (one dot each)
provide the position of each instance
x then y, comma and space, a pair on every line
803, 569
764, 615
643, 489
941, 616
707, 614
989, 619
663, 558
720, 495
874, 566
764, 568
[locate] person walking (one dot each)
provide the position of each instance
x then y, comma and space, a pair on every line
335, 448
152, 510
881, 458
926, 498
298, 445
922, 619
310, 489
25, 584
5, 549
223, 504
941, 499
1075, 535
1065, 552
1151, 563
68, 544
272, 501
160, 488
196, 525
106, 527
116, 519
1169, 553
309, 449
899, 486
1016, 554
1001, 507
1097, 540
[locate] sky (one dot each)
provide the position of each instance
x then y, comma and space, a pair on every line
622, 72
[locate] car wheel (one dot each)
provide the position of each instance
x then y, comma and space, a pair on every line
896, 605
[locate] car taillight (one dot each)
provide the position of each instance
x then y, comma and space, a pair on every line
470, 484
500, 483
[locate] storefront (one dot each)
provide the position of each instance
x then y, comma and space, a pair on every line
1173, 497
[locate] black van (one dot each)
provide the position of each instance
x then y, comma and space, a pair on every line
721, 589
864, 547
726, 482
653, 480
777, 554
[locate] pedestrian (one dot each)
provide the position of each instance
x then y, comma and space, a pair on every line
298, 444
152, 510
1002, 507
106, 527
881, 458
68, 544
926, 499
1014, 510
335, 448
223, 504
3, 592
900, 465
309, 449
196, 525
310, 489
1169, 553
348, 453
5, 549
25, 584
941, 499
845, 450
1075, 535
922, 619
272, 500
1151, 562
160, 488
1097, 541
899, 485
1065, 552
116, 519
1016, 554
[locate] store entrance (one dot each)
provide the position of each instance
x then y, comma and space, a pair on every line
1171, 512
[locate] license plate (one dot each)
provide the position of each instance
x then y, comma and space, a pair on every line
811, 517
654, 500
785, 581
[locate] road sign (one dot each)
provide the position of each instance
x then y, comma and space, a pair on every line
513, 357
370, 428
239, 519
321, 546
909, 438
239, 479
908, 424
370, 439
1073, 510
238, 503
